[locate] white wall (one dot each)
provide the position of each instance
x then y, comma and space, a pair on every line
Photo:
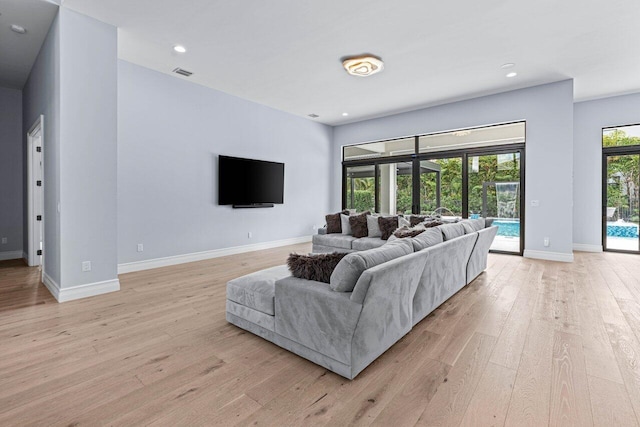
548, 111
11, 184
589, 119
88, 151
41, 95
170, 132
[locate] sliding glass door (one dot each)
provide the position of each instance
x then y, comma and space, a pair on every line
622, 208
495, 192
461, 174
441, 186
621, 188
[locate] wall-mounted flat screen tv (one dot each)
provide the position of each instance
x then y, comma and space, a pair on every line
249, 182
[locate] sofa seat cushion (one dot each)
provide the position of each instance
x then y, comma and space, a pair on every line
257, 290
367, 243
348, 271
334, 240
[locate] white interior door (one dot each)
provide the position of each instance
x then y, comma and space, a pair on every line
36, 194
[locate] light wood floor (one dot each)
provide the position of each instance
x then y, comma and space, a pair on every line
527, 343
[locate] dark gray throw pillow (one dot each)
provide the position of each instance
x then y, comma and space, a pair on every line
388, 224
316, 267
334, 224
403, 232
358, 225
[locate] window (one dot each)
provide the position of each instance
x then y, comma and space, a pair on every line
467, 173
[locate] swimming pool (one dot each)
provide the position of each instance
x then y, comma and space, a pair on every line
508, 227
511, 228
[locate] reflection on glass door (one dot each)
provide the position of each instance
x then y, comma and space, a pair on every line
622, 207
441, 186
494, 192
360, 187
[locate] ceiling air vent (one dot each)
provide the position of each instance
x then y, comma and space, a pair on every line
182, 72
313, 116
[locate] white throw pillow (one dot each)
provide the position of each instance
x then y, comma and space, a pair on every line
403, 222
373, 226
344, 221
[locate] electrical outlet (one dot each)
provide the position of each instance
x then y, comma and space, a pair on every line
140, 247
86, 266
535, 203
546, 241
249, 235
4, 240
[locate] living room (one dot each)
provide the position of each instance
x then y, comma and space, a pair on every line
120, 318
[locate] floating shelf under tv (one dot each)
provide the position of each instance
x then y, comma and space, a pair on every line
254, 205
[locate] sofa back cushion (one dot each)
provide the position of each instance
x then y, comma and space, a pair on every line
472, 225
426, 239
451, 231
348, 271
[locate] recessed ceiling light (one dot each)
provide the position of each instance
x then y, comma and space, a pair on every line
363, 66
18, 29
179, 48
507, 65
512, 74
345, 114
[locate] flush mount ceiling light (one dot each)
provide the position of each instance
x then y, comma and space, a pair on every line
512, 74
179, 48
507, 65
363, 66
18, 29
345, 114
462, 133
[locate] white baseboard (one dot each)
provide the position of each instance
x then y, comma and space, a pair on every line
130, 267
80, 291
583, 247
549, 256
4, 256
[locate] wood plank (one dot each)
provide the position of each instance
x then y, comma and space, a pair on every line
490, 402
530, 400
449, 404
570, 404
610, 404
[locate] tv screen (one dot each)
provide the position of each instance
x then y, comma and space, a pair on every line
249, 182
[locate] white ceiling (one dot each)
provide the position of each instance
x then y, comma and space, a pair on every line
19, 51
286, 53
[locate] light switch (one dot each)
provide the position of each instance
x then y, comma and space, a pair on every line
535, 203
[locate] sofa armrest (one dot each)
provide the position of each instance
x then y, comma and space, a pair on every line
387, 309
478, 259
311, 314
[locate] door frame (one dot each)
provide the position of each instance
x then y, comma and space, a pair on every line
606, 152
37, 127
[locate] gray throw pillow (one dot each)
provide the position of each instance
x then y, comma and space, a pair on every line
350, 268
344, 221
431, 237
451, 231
373, 226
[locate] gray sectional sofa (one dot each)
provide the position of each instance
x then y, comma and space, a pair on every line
375, 296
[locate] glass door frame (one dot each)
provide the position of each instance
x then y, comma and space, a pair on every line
608, 152
462, 153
